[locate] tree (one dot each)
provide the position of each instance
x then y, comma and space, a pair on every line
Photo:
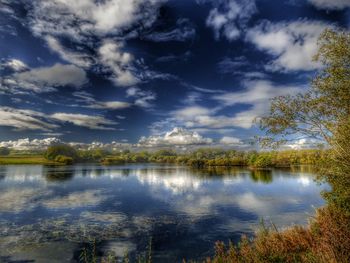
4, 151
60, 150
318, 112
323, 112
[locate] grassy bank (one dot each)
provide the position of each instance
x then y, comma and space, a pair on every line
25, 159
325, 240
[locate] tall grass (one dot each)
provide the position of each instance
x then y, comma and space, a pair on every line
326, 239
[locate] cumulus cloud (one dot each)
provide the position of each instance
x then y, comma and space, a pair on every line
95, 122
292, 44
89, 17
42, 144
27, 144
332, 5
178, 136
25, 119
230, 17
45, 79
304, 143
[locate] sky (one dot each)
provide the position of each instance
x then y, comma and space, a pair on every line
154, 72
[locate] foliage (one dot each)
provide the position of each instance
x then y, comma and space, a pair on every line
64, 159
4, 151
65, 150
318, 112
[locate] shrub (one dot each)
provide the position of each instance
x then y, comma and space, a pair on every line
4, 151
263, 160
64, 159
53, 151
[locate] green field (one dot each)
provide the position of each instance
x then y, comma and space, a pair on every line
25, 159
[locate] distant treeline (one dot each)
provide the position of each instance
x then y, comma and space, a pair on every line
205, 157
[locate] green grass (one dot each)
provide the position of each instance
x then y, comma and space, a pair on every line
25, 159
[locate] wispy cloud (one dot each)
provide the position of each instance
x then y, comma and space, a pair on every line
94, 122
43, 79
183, 31
142, 98
331, 5
90, 102
25, 119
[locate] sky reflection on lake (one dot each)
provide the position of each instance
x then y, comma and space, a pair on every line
54, 211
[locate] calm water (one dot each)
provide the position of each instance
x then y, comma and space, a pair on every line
49, 214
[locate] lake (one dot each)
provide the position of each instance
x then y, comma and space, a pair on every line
50, 214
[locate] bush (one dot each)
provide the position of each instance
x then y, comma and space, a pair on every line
65, 150
4, 151
113, 160
263, 161
64, 159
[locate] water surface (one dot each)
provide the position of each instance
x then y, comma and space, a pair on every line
49, 214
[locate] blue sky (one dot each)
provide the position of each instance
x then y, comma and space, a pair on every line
133, 70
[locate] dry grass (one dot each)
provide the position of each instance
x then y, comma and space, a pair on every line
326, 239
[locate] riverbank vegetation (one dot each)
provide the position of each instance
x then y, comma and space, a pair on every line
201, 158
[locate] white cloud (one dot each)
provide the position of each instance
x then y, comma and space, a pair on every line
257, 95
27, 144
143, 98
230, 17
291, 44
178, 136
57, 75
90, 17
24, 119
230, 140
111, 105
84, 24
94, 122
74, 57
118, 62
330, 4
92, 103
304, 143
45, 79
14, 65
